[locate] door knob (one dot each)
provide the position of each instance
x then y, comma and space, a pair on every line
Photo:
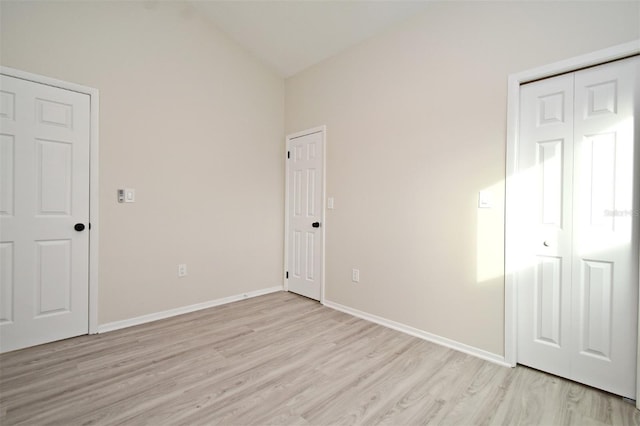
79, 227
316, 224
546, 244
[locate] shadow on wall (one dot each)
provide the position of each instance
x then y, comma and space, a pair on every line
490, 237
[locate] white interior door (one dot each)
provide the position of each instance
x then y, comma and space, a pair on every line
546, 166
578, 286
44, 213
305, 214
605, 227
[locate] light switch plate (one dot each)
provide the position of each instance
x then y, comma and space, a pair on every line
127, 195
485, 199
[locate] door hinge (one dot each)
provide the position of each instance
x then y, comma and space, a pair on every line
89, 226
287, 274
288, 154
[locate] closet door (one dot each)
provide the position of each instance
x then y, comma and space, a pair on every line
578, 282
605, 227
546, 166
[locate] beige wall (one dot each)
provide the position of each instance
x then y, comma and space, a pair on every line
189, 120
415, 128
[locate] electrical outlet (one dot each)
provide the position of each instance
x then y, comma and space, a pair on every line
355, 275
182, 270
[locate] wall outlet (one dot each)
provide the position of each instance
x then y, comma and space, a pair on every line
182, 270
355, 275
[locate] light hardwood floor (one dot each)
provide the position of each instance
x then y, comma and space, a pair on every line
281, 359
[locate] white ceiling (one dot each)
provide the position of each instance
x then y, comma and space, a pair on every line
293, 35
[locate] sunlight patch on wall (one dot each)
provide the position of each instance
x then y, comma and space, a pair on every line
490, 234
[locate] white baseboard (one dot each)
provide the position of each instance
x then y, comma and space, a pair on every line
116, 325
461, 347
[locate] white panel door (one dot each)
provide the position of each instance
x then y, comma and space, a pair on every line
578, 285
605, 227
305, 245
545, 160
44, 178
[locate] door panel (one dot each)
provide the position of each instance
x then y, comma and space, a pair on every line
605, 254
6, 282
54, 177
53, 277
599, 152
597, 310
44, 148
578, 292
547, 301
544, 291
550, 161
6, 174
305, 208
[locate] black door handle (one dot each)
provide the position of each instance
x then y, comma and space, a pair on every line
316, 224
79, 227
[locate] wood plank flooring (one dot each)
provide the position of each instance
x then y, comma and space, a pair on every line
281, 359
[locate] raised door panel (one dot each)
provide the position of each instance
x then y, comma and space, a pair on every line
310, 264
52, 113
548, 301
596, 309
599, 174
312, 195
296, 193
550, 163
7, 282
54, 168
7, 179
296, 258
53, 277
7, 104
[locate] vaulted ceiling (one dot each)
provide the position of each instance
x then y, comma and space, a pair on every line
293, 35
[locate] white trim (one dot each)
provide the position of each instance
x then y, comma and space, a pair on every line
94, 197
117, 325
514, 82
323, 220
434, 338
94, 210
285, 265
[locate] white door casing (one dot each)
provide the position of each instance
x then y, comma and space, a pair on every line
46, 142
304, 267
578, 293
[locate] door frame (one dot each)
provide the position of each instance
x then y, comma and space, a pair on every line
93, 94
511, 185
323, 134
